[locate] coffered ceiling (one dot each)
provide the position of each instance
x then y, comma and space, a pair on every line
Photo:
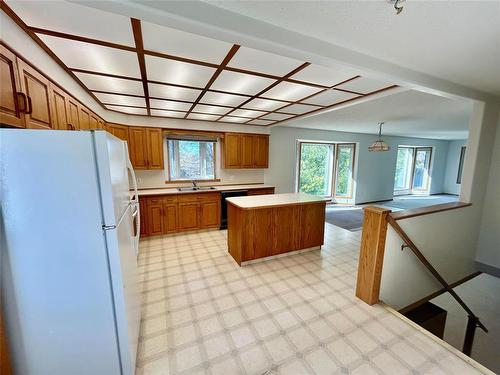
140, 68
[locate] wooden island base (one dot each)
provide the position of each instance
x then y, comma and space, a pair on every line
268, 229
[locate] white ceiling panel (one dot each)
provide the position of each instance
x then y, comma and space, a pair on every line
177, 72
222, 99
330, 97
290, 91
259, 122
276, 116
263, 62
118, 85
79, 55
247, 113
172, 92
324, 76
121, 99
165, 104
364, 85
264, 104
211, 109
238, 120
159, 112
299, 108
75, 19
129, 110
198, 116
179, 43
240, 83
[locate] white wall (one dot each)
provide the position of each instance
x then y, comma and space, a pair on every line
375, 172
450, 185
488, 252
404, 278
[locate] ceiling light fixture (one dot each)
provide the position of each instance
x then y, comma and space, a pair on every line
379, 145
397, 6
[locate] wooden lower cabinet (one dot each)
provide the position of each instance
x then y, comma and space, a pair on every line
262, 191
188, 216
171, 213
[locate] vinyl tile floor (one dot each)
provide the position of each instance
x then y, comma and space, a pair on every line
203, 314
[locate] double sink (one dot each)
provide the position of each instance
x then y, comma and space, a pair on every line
195, 188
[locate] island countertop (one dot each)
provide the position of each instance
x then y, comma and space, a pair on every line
288, 199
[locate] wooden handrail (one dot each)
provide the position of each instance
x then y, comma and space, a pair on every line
406, 214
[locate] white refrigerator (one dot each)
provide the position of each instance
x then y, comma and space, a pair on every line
69, 234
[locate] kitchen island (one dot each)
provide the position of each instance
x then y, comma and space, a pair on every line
271, 225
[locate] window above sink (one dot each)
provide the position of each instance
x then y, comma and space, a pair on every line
191, 160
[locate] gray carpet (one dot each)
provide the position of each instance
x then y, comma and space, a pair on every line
351, 218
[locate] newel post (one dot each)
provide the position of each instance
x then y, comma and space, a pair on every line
371, 254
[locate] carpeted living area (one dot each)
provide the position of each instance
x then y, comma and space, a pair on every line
351, 217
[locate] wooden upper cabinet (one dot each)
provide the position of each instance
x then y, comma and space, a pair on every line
101, 124
38, 92
232, 150
119, 131
247, 150
10, 107
94, 121
84, 116
261, 151
59, 109
138, 147
73, 114
154, 138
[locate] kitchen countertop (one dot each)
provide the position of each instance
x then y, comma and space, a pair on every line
259, 201
165, 191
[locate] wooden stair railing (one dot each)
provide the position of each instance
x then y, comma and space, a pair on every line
372, 255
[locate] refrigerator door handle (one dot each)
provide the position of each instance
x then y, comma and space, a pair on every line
135, 208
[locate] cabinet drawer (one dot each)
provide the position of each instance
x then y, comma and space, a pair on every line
162, 199
199, 197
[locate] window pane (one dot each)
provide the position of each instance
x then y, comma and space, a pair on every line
343, 179
421, 173
403, 168
191, 160
315, 167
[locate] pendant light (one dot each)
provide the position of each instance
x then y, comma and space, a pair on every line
379, 145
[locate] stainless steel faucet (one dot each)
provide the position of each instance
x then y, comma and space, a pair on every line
194, 184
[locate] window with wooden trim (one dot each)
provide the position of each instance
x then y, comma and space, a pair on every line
325, 169
191, 159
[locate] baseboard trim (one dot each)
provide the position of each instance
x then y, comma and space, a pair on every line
369, 202
486, 268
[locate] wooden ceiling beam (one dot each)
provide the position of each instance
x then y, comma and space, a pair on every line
139, 45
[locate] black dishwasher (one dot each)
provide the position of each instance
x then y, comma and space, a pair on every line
223, 211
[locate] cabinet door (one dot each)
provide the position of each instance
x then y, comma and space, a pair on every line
10, 108
188, 216
261, 151
155, 148
247, 150
138, 148
94, 121
144, 217
118, 131
155, 219
73, 114
37, 89
209, 214
100, 124
84, 116
232, 150
59, 109
170, 218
